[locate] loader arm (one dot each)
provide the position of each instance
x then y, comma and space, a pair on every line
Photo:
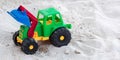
33, 21
23, 16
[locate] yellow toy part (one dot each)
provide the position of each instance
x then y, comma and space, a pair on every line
41, 38
62, 38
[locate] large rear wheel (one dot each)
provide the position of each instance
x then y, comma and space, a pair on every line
60, 37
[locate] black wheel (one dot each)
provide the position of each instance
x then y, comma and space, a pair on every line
29, 46
60, 37
15, 38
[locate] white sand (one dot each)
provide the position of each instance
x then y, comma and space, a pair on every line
95, 32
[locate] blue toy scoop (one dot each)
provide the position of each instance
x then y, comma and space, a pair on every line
20, 16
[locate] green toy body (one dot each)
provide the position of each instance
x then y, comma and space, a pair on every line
50, 26
43, 28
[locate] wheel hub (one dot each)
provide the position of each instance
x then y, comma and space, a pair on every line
62, 38
31, 47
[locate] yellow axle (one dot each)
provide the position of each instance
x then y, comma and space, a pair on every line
36, 37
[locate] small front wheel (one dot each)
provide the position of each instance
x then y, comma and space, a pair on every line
15, 38
29, 46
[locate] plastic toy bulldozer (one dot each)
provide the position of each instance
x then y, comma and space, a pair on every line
48, 25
